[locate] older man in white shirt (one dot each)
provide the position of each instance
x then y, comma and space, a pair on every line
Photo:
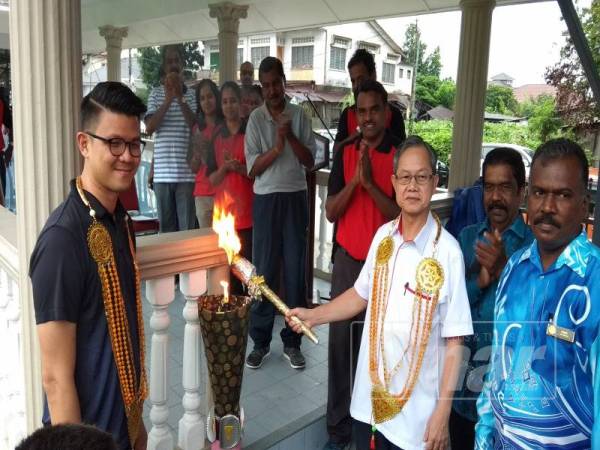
413, 288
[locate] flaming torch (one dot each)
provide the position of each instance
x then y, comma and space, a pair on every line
224, 226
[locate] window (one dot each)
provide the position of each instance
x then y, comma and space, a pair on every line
408, 73
337, 60
388, 73
257, 54
302, 57
239, 57
214, 60
258, 41
371, 48
401, 73
341, 42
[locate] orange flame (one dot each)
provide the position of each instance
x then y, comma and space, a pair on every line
224, 226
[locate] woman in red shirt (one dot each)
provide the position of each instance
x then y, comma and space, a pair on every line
227, 171
210, 118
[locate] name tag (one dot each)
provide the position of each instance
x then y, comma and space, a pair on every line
564, 334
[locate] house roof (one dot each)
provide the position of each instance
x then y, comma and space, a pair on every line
533, 91
386, 37
440, 113
502, 77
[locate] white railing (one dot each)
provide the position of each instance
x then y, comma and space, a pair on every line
441, 203
12, 386
195, 256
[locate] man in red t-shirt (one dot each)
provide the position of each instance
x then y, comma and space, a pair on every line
360, 199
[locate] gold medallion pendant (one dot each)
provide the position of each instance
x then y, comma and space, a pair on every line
99, 243
430, 275
384, 251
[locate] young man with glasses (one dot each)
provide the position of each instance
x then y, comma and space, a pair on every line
412, 287
85, 280
360, 199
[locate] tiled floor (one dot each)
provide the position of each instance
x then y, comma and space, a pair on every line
273, 396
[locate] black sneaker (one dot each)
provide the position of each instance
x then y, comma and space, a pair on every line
295, 357
256, 357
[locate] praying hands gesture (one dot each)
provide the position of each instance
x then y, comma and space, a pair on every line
492, 257
173, 86
284, 128
363, 174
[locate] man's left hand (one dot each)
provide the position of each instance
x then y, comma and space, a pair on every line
491, 255
437, 436
366, 173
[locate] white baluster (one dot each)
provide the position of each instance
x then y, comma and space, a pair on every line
17, 397
191, 425
321, 260
160, 293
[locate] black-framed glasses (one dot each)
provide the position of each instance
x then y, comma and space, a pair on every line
420, 178
117, 146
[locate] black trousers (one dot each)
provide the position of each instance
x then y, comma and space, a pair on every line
362, 431
279, 236
462, 432
344, 344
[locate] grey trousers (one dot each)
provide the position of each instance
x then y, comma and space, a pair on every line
176, 208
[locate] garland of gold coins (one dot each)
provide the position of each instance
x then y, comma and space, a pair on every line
101, 249
429, 278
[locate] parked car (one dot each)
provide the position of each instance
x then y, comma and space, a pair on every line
526, 154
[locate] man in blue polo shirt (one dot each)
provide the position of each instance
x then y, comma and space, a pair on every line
486, 247
542, 390
86, 282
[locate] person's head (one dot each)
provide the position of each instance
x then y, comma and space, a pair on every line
68, 437
361, 67
110, 140
251, 99
172, 58
503, 186
209, 100
414, 177
272, 80
247, 73
371, 103
231, 97
557, 203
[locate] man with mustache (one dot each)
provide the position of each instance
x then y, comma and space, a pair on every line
543, 384
486, 247
360, 198
279, 146
171, 115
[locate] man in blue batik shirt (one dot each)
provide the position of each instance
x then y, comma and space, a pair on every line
486, 247
543, 385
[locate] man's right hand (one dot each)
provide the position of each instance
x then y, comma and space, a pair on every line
304, 314
172, 86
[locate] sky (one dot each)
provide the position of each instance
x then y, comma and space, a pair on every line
525, 39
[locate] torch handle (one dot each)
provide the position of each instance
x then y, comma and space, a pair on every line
283, 309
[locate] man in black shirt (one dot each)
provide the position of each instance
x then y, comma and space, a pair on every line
86, 282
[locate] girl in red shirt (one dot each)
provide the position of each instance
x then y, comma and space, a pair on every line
227, 171
210, 118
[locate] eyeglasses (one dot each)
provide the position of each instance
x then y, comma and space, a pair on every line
420, 179
117, 146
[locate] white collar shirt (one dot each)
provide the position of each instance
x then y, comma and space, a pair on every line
451, 318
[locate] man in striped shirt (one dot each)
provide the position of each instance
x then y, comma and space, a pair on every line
171, 114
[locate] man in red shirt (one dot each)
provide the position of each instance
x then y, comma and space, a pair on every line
360, 199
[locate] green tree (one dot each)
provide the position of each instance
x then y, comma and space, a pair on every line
150, 60
574, 99
412, 38
446, 93
426, 88
544, 120
432, 65
500, 99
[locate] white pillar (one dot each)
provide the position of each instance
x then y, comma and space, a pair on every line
114, 40
191, 425
160, 293
471, 84
228, 16
45, 49
322, 263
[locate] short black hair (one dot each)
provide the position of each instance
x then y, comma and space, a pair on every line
507, 156
215, 90
269, 64
416, 141
254, 89
371, 86
364, 57
563, 148
110, 96
68, 437
234, 87
175, 47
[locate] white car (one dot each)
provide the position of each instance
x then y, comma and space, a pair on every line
526, 154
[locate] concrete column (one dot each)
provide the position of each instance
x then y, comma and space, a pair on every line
471, 84
114, 40
228, 15
45, 49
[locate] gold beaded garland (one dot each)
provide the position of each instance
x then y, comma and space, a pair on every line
134, 389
